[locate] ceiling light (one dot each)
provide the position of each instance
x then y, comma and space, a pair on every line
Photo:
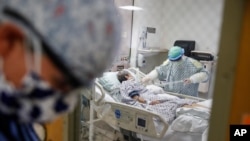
130, 8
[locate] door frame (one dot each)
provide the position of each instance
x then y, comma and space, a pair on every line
230, 43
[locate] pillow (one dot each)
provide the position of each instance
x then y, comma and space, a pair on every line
188, 123
109, 81
116, 95
107, 96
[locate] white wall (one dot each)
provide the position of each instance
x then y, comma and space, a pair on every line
150, 16
198, 20
122, 56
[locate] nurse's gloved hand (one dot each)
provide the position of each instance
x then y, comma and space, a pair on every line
146, 79
187, 81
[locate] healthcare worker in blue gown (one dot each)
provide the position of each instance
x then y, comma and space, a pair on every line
186, 71
49, 50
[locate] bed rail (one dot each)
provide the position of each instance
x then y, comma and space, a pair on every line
90, 93
94, 101
97, 101
186, 96
139, 120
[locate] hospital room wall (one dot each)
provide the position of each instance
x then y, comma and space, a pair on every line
150, 16
122, 57
198, 20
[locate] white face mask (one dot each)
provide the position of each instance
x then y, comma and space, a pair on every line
36, 100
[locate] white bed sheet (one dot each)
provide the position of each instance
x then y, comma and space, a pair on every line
171, 135
201, 126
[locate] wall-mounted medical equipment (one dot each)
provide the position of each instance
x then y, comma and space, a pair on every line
202, 56
141, 61
142, 44
207, 60
143, 36
187, 45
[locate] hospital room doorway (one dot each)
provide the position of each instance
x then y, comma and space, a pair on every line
155, 27
211, 35
231, 96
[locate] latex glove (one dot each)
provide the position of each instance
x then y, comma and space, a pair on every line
149, 77
146, 79
187, 81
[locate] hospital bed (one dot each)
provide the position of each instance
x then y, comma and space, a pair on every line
136, 123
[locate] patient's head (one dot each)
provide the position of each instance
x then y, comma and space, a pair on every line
124, 76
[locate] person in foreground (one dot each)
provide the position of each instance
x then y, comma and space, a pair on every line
134, 93
186, 71
48, 51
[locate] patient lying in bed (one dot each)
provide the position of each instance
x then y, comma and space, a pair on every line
134, 93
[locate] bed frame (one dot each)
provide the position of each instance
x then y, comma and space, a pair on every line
129, 117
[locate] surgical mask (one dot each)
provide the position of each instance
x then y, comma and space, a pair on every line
35, 100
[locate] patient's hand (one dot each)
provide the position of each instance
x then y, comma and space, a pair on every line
141, 100
154, 102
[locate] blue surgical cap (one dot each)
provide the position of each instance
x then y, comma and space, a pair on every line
175, 53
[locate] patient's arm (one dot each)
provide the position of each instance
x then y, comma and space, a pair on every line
139, 99
154, 102
142, 100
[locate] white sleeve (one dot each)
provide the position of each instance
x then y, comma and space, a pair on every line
152, 75
199, 77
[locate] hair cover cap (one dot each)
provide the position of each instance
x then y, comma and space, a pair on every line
83, 34
175, 53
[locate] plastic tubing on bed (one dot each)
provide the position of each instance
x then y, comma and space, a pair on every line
141, 75
185, 96
97, 102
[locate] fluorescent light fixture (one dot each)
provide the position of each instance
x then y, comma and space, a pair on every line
130, 8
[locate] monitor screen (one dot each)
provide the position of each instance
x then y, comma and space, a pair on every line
141, 122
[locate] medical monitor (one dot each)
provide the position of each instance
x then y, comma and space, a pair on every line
141, 122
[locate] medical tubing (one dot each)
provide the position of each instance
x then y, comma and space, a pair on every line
169, 83
174, 82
